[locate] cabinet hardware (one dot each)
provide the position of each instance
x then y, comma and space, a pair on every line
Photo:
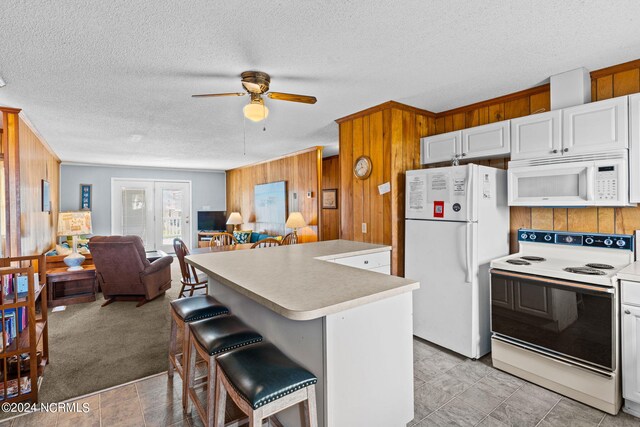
565, 150
627, 312
554, 151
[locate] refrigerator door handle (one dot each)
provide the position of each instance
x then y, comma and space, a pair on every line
469, 253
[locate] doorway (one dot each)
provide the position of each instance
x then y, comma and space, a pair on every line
157, 211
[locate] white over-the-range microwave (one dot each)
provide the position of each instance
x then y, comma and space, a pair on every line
599, 179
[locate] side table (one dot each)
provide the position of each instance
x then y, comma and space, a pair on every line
71, 287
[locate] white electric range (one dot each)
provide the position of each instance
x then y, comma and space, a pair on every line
555, 313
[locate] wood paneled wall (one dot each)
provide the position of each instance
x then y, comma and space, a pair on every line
27, 160
38, 230
330, 180
619, 80
390, 135
303, 173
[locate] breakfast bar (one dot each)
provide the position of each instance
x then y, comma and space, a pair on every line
328, 307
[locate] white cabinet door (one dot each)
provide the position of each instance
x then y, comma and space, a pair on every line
536, 136
634, 148
630, 353
492, 140
440, 148
597, 126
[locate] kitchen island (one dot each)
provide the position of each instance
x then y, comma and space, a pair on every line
352, 327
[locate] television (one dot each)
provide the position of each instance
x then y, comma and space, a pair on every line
212, 220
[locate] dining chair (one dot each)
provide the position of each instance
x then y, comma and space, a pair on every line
222, 239
266, 243
190, 278
289, 239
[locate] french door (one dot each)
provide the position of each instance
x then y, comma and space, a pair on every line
157, 211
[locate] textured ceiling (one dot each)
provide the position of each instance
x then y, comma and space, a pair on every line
110, 81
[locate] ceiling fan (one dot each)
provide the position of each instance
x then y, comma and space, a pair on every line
256, 84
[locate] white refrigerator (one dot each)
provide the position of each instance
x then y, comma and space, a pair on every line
457, 221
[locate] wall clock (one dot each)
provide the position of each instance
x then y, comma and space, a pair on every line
362, 167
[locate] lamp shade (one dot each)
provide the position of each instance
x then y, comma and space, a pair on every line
256, 111
235, 218
74, 223
295, 220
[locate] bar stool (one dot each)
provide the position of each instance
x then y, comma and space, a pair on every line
183, 312
257, 379
209, 339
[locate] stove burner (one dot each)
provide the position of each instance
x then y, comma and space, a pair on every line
517, 261
585, 270
600, 266
533, 258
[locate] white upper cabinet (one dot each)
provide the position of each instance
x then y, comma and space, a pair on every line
634, 148
535, 136
597, 126
440, 148
492, 140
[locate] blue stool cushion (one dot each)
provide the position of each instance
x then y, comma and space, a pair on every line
261, 373
219, 334
198, 307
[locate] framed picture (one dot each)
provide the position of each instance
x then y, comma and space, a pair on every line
85, 197
46, 196
330, 199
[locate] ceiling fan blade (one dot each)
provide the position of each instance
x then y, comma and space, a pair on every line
206, 95
292, 97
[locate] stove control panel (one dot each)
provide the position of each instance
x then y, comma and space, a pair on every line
597, 240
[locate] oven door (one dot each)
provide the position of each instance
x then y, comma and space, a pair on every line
570, 320
570, 184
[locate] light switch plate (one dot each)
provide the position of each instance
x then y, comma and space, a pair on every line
364, 227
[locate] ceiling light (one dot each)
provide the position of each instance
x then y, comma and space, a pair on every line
2, 83
256, 110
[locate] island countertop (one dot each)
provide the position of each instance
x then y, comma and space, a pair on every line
297, 282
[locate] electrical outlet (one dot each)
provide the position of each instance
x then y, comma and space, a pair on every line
309, 194
364, 227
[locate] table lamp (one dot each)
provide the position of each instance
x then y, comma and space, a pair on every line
295, 221
235, 219
74, 224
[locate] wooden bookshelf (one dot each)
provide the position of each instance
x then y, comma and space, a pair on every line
24, 358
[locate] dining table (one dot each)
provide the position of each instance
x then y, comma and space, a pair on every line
224, 248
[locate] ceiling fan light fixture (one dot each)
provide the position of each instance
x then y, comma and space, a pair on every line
256, 111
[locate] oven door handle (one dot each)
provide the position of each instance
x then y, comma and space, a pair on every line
558, 283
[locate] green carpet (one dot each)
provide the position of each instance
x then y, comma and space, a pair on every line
92, 348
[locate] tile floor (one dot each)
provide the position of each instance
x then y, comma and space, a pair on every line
450, 390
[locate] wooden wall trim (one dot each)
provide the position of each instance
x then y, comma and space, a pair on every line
11, 152
284, 156
500, 99
615, 69
10, 110
319, 191
385, 106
